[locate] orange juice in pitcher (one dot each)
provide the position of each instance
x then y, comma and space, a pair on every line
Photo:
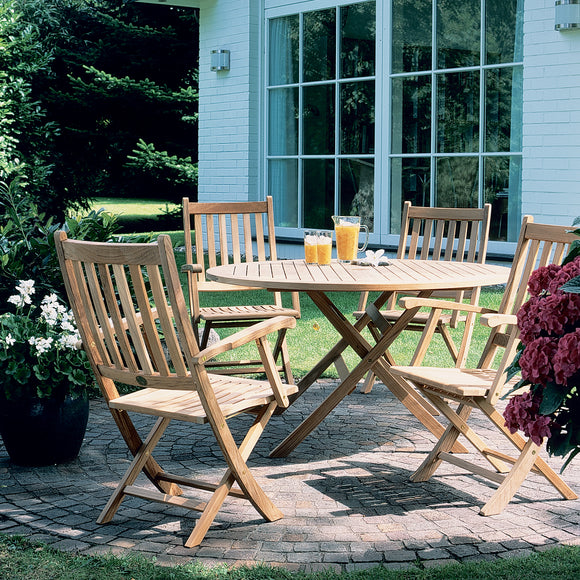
347, 229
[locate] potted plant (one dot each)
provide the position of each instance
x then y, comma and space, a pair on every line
43, 396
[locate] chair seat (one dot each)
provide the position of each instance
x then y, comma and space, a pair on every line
250, 312
419, 318
234, 395
452, 381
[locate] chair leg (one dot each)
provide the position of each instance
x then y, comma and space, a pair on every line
281, 350
512, 481
444, 445
237, 471
135, 468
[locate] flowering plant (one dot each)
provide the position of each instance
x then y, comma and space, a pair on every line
549, 359
39, 355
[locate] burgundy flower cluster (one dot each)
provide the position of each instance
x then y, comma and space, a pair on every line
549, 324
522, 413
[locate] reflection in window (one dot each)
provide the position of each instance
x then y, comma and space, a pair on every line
458, 112
466, 103
357, 117
412, 34
357, 189
411, 114
320, 45
330, 172
457, 182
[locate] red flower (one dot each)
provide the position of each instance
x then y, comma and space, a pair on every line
529, 320
567, 357
567, 272
536, 360
522, 413
541, 278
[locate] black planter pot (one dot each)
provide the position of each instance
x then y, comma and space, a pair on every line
40, 432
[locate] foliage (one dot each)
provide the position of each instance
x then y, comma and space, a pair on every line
40, 352
27, 245
549, 359
82, 82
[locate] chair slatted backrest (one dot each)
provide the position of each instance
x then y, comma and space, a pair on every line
131, 313
538, 245
228, 233
440, 233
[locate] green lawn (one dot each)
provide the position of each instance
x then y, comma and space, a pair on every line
20, 559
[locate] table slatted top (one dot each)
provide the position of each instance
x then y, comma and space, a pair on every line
343, 277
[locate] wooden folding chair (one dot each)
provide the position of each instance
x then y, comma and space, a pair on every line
232, 233
437, 233
136, 329
481, 388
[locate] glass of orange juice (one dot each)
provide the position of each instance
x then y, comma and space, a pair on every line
347, 229
310, 247
324, 247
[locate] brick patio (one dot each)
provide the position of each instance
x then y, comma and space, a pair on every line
345, 493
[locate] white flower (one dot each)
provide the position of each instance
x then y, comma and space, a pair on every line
42, 344
69, 341
18, 300
9, 340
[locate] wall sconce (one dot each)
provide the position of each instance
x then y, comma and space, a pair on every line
220, 60
567, 14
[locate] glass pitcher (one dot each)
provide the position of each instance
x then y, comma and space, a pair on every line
347, 229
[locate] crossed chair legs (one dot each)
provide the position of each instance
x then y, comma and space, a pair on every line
168, 485
509, 478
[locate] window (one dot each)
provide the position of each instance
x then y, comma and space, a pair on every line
456, 107
321, 115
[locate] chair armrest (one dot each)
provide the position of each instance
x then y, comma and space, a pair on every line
496, 319
245, 336
412, 302
193, 268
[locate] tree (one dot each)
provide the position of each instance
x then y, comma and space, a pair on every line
109, 93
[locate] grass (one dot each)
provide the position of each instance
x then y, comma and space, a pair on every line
21, 559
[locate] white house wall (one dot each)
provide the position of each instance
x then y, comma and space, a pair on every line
228, 101
551, 131
230, 167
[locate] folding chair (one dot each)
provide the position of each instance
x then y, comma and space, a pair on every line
232, 233
481, 388
437, 233
136, 329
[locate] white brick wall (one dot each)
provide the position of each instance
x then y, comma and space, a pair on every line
228, 101
551, 131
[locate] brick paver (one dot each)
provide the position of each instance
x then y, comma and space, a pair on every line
345, 493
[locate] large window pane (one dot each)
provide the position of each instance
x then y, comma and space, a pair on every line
318, 193
457, 183
320, 45
503, 189
357, 117
412, 25
411, 114
503, 109
357, 189
410, 181
284, 50
458, 112
283, 122
458, 33
283, 185
318, 120
503, 22
358, 36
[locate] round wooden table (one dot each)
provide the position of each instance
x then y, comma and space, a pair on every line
422, 276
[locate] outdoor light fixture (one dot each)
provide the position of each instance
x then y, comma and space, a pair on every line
220, 60
567, 14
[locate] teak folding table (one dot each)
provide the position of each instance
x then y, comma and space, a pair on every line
424, 276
